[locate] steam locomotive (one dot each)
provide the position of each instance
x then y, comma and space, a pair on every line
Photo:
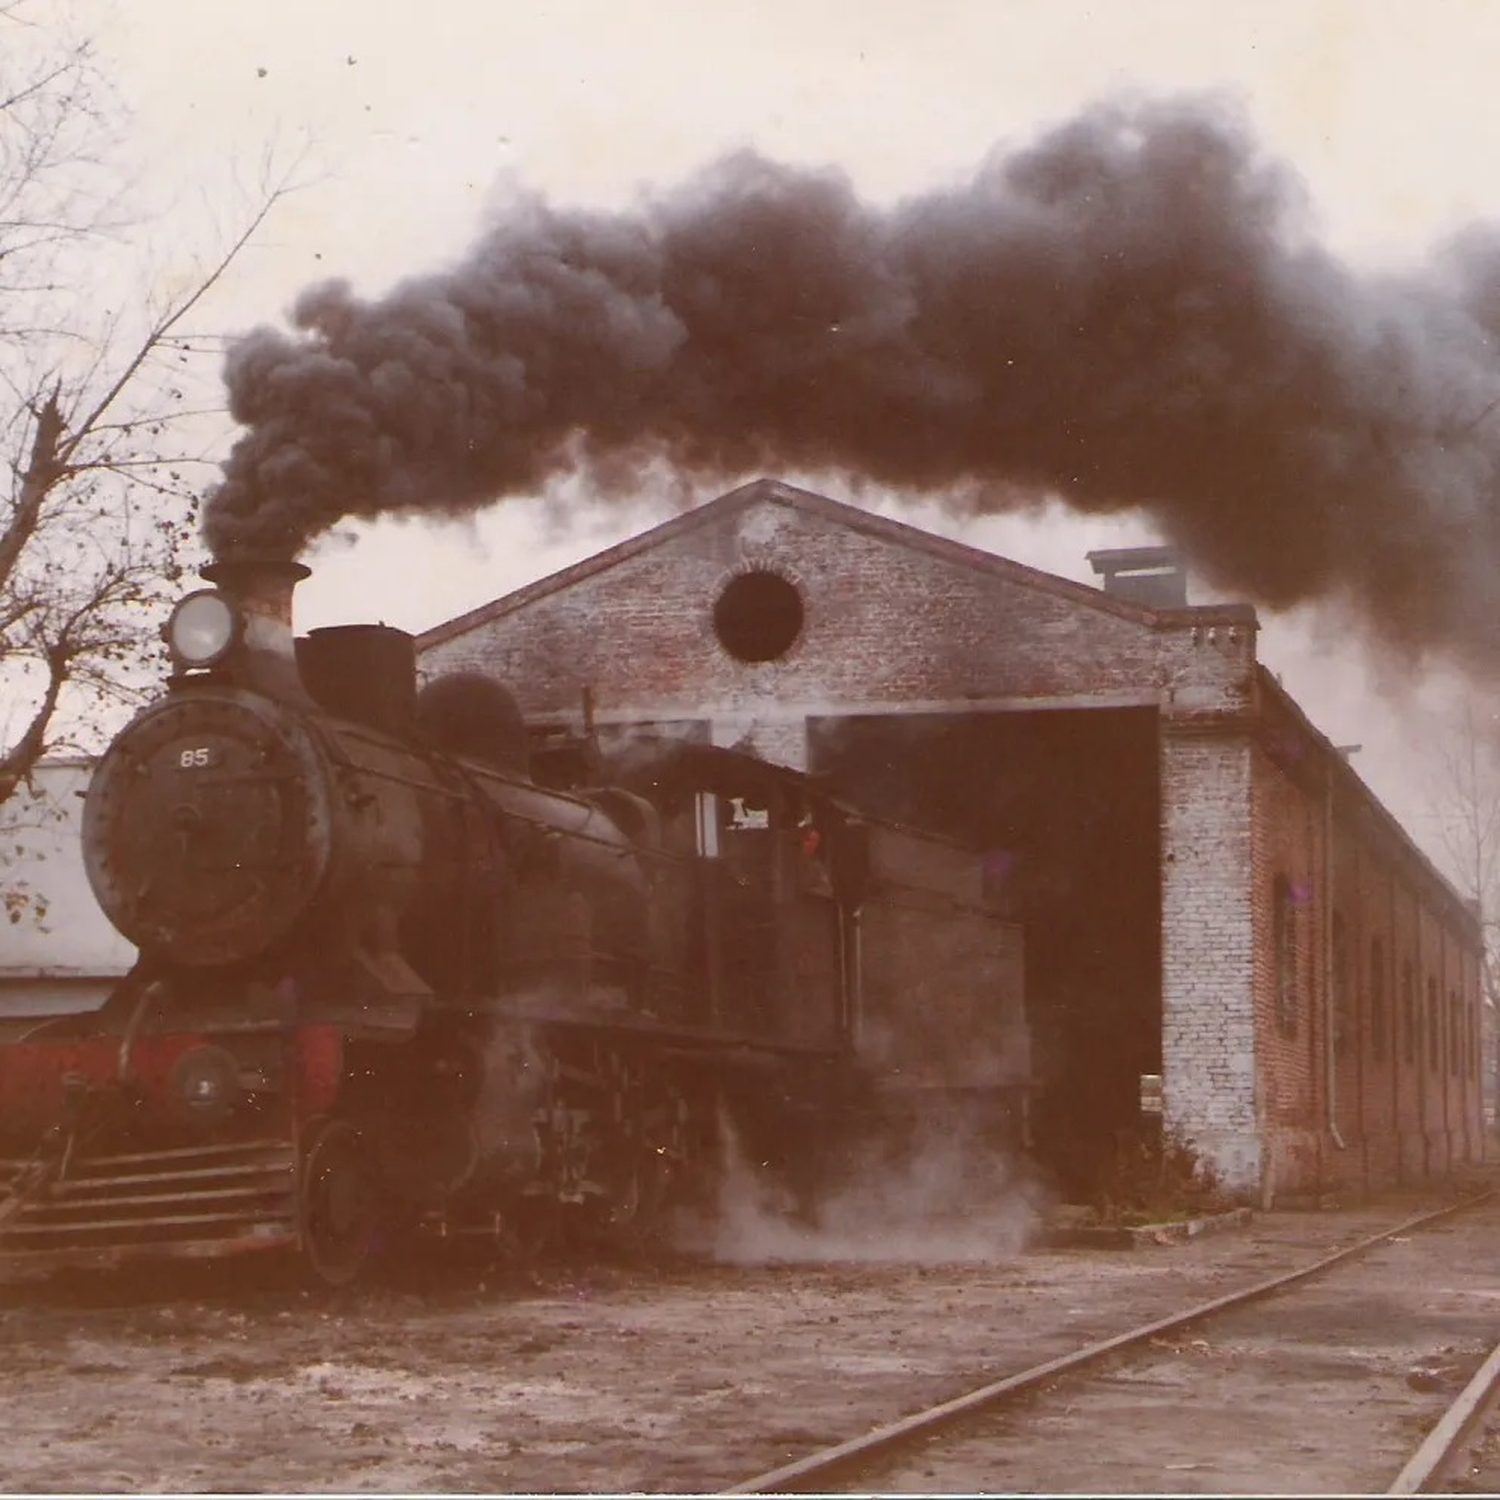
405, 968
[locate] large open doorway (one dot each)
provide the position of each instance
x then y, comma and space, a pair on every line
1064, 807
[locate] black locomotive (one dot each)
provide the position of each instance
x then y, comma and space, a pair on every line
404, 967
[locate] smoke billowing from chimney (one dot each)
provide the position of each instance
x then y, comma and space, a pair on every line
1127, 313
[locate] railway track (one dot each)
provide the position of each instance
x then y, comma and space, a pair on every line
982, 1424
1457, 1454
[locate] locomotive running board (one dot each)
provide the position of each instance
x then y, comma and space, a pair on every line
195, 1201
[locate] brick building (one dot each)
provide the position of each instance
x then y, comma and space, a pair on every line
1209, 892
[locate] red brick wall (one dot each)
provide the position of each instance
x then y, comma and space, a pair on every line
1398, 1116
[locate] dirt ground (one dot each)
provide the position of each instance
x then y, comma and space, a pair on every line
1327, 1387
655, 1376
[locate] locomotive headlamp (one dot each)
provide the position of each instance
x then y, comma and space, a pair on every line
202, 629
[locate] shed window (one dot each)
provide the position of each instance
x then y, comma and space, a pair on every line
1284, 937
1377, 1000
1434, 1028
1409, 1025
1343, 991
758, 615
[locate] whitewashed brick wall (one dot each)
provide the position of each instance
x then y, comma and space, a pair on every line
1208, 1016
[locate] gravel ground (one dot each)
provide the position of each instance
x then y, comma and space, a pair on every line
667, 1376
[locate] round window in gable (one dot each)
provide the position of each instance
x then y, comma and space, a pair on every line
758, 616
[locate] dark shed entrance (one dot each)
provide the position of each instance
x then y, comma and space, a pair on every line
1065, 806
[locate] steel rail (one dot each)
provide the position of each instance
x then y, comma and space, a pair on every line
1454, 1432
819, 1466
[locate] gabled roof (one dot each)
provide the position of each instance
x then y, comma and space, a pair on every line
898, 533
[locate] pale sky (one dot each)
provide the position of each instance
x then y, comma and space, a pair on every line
412, 114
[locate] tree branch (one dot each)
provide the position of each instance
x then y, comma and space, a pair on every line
40, 474
16, 763
167, 322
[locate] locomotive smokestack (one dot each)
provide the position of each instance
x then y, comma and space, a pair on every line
262, 587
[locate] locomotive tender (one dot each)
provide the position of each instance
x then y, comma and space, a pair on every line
401, 968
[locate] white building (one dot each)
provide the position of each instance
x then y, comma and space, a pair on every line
57, 952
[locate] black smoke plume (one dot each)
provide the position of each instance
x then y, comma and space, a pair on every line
1129, 313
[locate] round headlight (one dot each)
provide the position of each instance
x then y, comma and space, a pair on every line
202, 629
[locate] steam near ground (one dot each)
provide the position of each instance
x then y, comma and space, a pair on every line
943, 1195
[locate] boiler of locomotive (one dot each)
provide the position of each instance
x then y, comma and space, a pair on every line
208, 825
262, 805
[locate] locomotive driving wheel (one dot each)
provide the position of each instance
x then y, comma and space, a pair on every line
336, 1203
645, 1164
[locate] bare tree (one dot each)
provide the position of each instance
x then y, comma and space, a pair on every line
98, 497
1465, 815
